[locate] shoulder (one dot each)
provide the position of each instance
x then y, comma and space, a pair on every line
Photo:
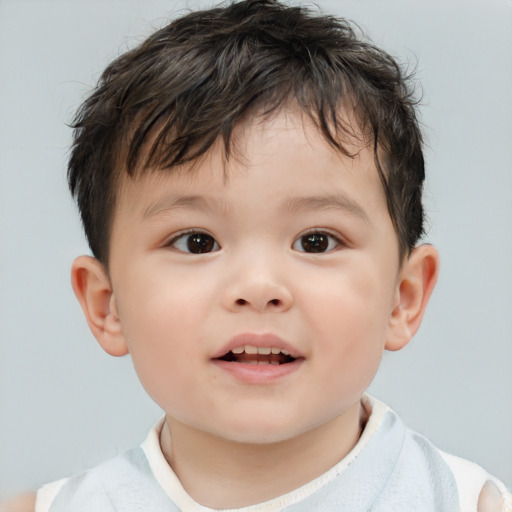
478, 490
125, 483
93, 489
47, 493
469, 485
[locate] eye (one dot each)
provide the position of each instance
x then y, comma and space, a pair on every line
315, 242
195, 242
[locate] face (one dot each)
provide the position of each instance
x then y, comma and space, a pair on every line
255, 299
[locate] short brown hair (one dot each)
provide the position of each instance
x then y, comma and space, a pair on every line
190, 83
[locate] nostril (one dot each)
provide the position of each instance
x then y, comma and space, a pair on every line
271, 304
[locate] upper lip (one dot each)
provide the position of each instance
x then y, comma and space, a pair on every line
257, 340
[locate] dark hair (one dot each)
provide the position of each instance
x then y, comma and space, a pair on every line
189, 84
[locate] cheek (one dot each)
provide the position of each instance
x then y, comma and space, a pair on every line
350, 315
159, 318
161, 301
164, 352
355, 303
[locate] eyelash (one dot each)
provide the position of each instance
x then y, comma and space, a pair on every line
326, 242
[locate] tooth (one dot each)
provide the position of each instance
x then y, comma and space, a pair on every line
251, 349
274, 362
285, 352
252, 362
264, 350
263, 362
275, 350
238, 350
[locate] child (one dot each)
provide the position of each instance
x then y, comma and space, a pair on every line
249, 180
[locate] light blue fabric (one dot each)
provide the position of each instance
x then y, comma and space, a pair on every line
123, 484
398, 470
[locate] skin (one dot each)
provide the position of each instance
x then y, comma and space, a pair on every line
21, 503
337, 310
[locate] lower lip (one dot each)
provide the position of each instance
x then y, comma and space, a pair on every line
258, 373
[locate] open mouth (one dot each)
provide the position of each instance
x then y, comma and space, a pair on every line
250, 354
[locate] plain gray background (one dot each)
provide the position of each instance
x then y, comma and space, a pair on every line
65, 405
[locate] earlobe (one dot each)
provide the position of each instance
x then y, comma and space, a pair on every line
416, 283
93, 290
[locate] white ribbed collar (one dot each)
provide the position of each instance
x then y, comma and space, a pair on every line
168, 480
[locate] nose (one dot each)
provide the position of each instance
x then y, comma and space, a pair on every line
260, 288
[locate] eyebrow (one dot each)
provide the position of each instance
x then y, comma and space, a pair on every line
328, 202
294, 206
168, 203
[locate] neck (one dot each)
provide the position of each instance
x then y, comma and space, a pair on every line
207, 465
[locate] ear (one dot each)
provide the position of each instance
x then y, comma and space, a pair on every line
93, 290
415, 285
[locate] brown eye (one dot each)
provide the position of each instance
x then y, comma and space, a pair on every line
199, 243
195, 243
316, 242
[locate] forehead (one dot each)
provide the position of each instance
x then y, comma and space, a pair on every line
286, 152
